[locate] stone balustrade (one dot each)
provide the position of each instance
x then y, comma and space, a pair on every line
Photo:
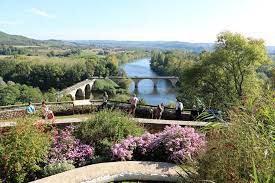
119, 171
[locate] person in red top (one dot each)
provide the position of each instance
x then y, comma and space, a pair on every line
134, 101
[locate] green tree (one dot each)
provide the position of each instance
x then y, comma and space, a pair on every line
28, 93
21, 73
90, 68
51, 95
9, 94
227, 74
2, 82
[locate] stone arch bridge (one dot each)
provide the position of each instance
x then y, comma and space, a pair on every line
82, 90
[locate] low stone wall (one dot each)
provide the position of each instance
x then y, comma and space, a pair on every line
59, 110
119, 171
9, 114
69, 109
145, 112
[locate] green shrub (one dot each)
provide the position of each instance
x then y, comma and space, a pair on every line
122, 98
124, 83
106, 128
23, 149
106, 85
56, 168
234, 153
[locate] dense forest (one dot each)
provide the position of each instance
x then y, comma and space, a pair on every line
14, 93
34, 73
238, 68
56, 75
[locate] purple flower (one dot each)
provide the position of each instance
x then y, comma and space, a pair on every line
178, 143
67, 148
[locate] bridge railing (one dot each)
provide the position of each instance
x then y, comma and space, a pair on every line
86, 81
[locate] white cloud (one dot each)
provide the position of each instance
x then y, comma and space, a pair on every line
39, 12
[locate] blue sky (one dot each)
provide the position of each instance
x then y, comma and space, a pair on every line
168, 20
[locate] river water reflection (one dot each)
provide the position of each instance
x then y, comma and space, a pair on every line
163, 93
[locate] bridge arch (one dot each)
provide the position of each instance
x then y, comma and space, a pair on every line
88, 91
82, 90
79, 94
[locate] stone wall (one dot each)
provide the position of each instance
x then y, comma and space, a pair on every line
69, 109
9, 114
120, 171
145, 112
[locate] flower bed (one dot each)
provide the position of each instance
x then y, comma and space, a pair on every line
44, 150
174, 144
67, 148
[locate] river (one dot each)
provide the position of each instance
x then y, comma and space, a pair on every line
163, 93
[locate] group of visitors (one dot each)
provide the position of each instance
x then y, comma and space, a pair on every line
158, 111
155, 113
46, 112
133, 101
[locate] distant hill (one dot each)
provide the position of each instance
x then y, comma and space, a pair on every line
8, 39
195, 47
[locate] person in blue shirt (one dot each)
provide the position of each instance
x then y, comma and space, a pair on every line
30, 109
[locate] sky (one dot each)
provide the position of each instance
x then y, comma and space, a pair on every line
139, 20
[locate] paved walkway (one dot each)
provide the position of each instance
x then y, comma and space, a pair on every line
139, 120
119, 171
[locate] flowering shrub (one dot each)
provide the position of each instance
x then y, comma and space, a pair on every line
106, 128
67, 148
174, 144
22, 149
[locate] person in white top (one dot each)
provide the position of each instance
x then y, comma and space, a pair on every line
47, 113
179, 108
105, 100
134, 101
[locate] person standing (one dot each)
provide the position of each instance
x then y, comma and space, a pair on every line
134, 101
161, 109
30, 108
179, 108
47, 113
194, 112
157, 113
105, 100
